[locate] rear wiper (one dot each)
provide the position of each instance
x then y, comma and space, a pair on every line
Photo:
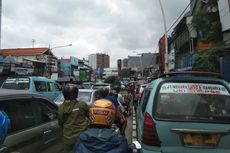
198, 118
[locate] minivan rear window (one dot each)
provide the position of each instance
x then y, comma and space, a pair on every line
16, 83
193, 101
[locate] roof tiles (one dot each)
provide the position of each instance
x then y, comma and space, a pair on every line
23, 51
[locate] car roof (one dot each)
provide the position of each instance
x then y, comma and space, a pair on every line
193, 73
103, 84
82, 90
38, 78
86, 90
186, 79
19, 93
87, 82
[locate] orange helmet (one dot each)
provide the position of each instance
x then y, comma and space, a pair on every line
102, 112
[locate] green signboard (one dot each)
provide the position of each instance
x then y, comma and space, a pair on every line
83, 75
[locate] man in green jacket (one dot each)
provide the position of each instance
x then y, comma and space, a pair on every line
72, 117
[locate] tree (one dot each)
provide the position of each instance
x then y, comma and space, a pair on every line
207, 23
208, 60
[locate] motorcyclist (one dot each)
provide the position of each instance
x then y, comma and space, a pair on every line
100, 137
72, 116
120, 119
4, 123
122, 97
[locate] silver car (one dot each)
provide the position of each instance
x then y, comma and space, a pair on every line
87, 95
101, 85
33, 123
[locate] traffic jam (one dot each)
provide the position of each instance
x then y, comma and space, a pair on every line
183, 111
115, 76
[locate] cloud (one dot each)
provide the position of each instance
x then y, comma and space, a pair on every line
116, 27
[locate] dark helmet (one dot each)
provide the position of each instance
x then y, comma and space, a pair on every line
117, 89
70, 92
103, 92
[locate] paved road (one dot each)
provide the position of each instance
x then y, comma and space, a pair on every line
130, 131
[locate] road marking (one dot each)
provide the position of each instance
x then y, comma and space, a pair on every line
134, 127
134, 133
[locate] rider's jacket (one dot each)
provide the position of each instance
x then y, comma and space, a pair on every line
101, 140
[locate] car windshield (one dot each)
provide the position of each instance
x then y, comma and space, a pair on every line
87, 85
16, 83
193, 101
84, 96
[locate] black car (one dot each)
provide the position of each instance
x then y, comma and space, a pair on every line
33, 123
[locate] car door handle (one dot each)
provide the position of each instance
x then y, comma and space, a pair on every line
47, 132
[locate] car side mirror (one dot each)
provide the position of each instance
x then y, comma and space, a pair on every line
52, 116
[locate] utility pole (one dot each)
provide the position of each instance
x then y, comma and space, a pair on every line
142, 68
166, 38
33, 41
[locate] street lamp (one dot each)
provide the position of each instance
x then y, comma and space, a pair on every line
166, 39
142, 74
60, 46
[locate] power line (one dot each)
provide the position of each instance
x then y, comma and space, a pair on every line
180, 16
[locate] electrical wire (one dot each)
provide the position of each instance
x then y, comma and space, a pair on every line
180, 16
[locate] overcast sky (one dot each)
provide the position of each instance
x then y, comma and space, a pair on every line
115, 27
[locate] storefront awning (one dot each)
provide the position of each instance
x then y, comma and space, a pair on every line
33, 60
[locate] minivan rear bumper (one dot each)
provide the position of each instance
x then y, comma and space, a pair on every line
150, 149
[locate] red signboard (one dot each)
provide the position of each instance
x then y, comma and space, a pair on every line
161, 45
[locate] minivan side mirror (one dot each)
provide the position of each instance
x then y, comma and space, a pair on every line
137, 145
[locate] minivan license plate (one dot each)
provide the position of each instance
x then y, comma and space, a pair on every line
208, 140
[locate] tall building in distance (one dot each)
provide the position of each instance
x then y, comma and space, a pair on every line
125, 63
145, 60
99, 60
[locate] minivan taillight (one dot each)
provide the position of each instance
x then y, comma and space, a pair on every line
150, 136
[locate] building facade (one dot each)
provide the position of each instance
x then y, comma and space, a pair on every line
145, 60
224, 11
99, 60
124, 63
146, 63
73, 68
41, 59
